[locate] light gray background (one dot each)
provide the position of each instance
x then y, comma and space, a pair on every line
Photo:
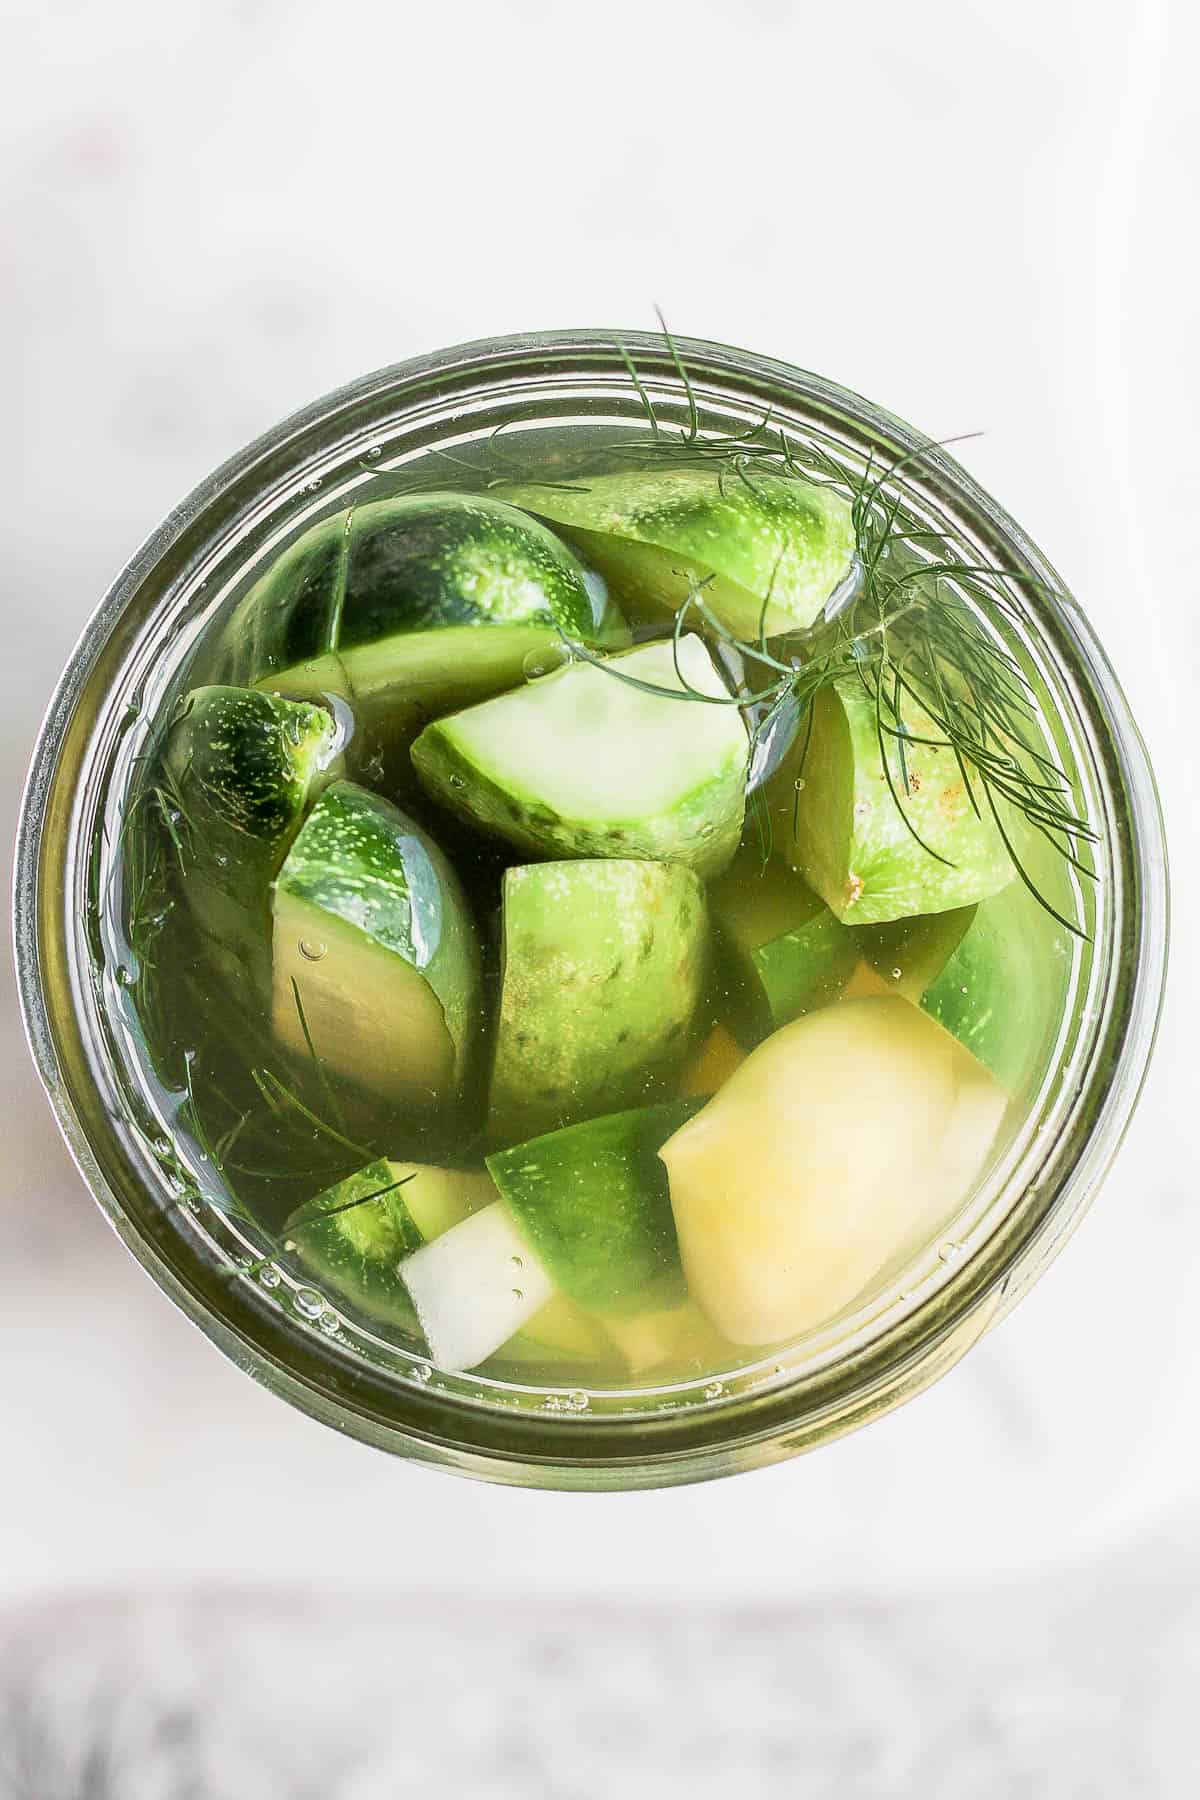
982, 215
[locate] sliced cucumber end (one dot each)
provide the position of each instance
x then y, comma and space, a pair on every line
475, 1287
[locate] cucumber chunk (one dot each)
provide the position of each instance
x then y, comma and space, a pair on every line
604, 964
401, 566
355, 1243
376, 958
592, 1201
475, 1287
999, 990
909, 954
844, 832
842, 1144
985, 973
242, 767
792, 954
410, 607
585, 763
770, 548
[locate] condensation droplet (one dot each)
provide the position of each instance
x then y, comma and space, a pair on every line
707, 830
896, 974
123, 976
269, 1276
308, 1302
314, 486
330, 1323
374, 452
948, 1251
779, 1369
714, 1390
456, 781
577, 1401
800, 784
420, 1371
311, 949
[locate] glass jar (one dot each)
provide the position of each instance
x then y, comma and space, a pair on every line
266, 1315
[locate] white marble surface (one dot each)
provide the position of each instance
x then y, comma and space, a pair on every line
976, 213
512, 1701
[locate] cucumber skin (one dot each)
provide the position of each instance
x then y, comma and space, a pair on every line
768, 534
803, 969
606, 1255
994, 998
359, 1251
920, 948
595, 1003
407, 564
245, 765
361, 859
790, 953
845, 834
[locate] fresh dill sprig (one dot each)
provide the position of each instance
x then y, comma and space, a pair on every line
925, 627
295, 1223
279, 1096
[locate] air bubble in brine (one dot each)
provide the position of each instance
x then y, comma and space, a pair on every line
544, 662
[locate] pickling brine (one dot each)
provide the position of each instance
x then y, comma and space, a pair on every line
602, 924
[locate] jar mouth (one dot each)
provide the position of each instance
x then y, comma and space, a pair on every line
86, 1052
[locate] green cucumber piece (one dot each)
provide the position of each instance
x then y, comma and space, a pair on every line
844, 831
412, 606
376, 958
593, 1203
355, 1244
791, 953
585, 762
998, 991
604, 965
242, 767
770, 548
909, 954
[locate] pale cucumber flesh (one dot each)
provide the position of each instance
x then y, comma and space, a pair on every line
668, 784
845, 1140
375, 952
604, 963
475, 1287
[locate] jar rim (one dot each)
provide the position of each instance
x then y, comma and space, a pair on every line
573, 1450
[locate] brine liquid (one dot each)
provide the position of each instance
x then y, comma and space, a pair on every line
281, 1129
